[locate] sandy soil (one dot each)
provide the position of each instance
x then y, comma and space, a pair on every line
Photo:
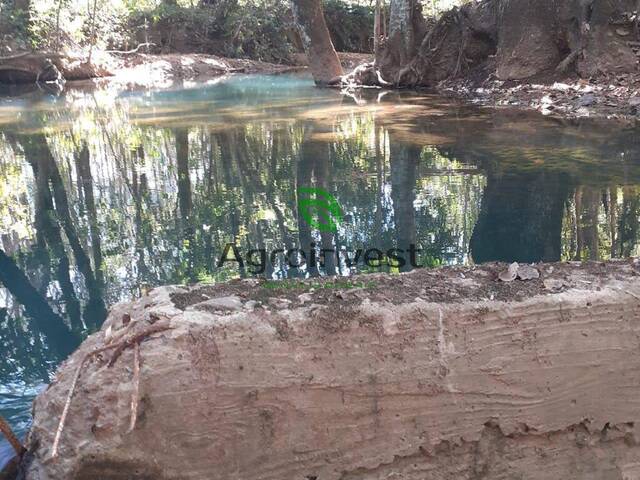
169, 70
177, 70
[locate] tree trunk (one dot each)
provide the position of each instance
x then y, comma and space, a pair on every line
323, 59
376, 28
49, 323
521, 218
406, 25
92, 41
512, 39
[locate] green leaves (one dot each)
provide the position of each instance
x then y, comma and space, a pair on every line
322, 212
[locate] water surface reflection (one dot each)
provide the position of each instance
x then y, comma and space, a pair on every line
105, 195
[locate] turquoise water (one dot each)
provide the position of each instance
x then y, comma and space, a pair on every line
105, 194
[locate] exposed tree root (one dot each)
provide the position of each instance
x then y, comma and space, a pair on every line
119, 348
11, 437
510, 40
135, 395
564, 65
67, 405
136, 339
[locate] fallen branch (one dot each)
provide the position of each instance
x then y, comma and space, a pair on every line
11, 437
119, 348
135, 395
67, 405
135, 50
137, 338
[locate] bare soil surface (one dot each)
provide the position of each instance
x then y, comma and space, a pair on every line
442, 285
447, 373
185, 69
180, 69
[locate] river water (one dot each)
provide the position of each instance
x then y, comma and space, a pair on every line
106, 194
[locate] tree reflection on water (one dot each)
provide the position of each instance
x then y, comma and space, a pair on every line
102, 198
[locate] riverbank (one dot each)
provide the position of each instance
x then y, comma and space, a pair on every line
611, 97
435, 370
139, 70
169, 70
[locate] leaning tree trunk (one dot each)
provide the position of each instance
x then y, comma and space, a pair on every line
322, 57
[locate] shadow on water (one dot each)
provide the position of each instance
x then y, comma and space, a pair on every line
105, 195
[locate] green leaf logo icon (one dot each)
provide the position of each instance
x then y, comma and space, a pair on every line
319, 209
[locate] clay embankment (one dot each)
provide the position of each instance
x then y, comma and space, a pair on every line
448, 374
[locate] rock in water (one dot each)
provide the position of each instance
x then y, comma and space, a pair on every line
407, 383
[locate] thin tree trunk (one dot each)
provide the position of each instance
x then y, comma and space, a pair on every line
84, 168
58, 10
376, 28
93, 30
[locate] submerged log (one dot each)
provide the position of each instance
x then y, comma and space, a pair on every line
444, 373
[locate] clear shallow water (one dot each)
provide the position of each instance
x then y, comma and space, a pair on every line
104, 195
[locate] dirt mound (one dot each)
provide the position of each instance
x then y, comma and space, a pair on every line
334, 381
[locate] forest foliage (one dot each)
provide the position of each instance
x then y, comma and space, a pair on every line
258, 29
